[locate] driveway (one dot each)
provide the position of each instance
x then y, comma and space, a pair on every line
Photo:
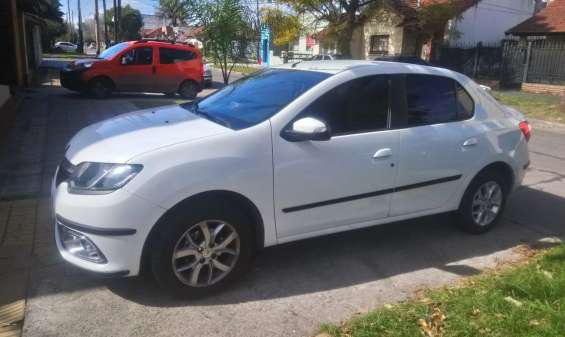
292, 288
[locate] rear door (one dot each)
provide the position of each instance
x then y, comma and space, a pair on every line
176, 65
136, 70
439, 142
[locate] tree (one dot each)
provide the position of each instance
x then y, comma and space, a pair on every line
49, 11
285, 27
129, 24
342, 16
177, 11
96, 27
226, 29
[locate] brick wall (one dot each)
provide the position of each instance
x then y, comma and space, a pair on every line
538, 88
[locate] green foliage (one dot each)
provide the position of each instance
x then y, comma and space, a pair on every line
50, 12
130, 23
285, 27
226, 30
526, 301
178, 11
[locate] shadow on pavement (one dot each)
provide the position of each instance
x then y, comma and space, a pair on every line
366, 255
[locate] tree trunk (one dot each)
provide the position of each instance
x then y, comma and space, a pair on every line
106, 40
115, 21
80, 37
96, 27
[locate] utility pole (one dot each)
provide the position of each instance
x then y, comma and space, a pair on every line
96, 27
105, 24
80, 37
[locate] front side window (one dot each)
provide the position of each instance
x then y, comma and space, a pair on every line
109, 53
138, 56
357, 106
255, 98
170, 55
430, 100
379, 44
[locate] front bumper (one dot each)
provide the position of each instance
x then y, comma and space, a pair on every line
117, 223
72, 79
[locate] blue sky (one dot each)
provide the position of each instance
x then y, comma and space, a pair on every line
87, 6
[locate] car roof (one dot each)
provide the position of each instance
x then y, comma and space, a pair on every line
163, 44
384, 67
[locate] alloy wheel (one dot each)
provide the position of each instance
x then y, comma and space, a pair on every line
206, 253
487, 203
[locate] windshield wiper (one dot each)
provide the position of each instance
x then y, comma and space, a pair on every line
208, 116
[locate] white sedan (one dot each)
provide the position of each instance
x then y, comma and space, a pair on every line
191, 192
67, 47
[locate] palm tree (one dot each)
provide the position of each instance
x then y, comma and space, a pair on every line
96, 27
106, 40
174, 10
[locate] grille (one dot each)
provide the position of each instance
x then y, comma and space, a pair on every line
65, 171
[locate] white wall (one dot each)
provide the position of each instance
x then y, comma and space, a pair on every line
487, 21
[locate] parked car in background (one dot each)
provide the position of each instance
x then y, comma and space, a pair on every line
207, 75
190, 192
65, 47
139, 66
404, 59
326, 57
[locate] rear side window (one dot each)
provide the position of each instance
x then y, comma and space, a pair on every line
360, 105
170, 56
465, 103
430, 100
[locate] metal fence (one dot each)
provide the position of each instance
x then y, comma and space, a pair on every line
511, 61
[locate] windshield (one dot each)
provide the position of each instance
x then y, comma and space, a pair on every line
256, 98
113, 51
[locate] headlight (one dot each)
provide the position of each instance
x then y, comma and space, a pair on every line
101, 178
86, 64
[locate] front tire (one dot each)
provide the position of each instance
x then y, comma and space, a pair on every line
202, 250
483, 203
100, 88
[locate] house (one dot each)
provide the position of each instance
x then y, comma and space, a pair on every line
548, 23
487, 21
399, 31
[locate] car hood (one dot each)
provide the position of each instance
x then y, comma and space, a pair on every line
118, 139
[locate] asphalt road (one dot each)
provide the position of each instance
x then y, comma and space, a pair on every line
295, 287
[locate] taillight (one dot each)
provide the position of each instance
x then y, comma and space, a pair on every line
526, 129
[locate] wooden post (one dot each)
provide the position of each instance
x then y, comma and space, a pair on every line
527, 64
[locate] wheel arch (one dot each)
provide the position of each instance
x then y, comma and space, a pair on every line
501, 167
217, 196
103, 77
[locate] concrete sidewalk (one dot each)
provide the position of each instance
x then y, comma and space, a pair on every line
291, 290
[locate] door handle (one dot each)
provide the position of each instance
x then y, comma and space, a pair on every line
470, 142
382, 153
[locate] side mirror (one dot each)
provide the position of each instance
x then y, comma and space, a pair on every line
307, 128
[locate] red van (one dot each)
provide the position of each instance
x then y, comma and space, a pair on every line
142, 66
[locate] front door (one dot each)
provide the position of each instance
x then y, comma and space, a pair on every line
347, 180
136, 71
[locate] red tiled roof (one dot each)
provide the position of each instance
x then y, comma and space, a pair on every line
551, 19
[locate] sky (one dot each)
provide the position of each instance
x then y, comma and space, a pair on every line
87, 6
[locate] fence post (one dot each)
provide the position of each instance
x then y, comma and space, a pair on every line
527, 65
476, 60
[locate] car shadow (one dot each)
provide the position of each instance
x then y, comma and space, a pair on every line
366, 255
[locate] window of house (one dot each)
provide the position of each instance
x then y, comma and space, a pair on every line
360, 105
430, 100
170, 56
138, 56
379, 44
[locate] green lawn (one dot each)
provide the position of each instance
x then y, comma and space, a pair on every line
525, 301
547, 107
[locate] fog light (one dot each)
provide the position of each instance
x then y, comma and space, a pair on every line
80, 245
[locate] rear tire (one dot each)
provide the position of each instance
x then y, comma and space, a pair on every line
100, 87
483, 203
188, 90
182, 233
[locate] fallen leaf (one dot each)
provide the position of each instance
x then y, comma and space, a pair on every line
547, 274
534, 322
476, 312
388, 306
513, 301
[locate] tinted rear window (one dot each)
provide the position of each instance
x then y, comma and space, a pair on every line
170, 55
256, 98
430, 100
